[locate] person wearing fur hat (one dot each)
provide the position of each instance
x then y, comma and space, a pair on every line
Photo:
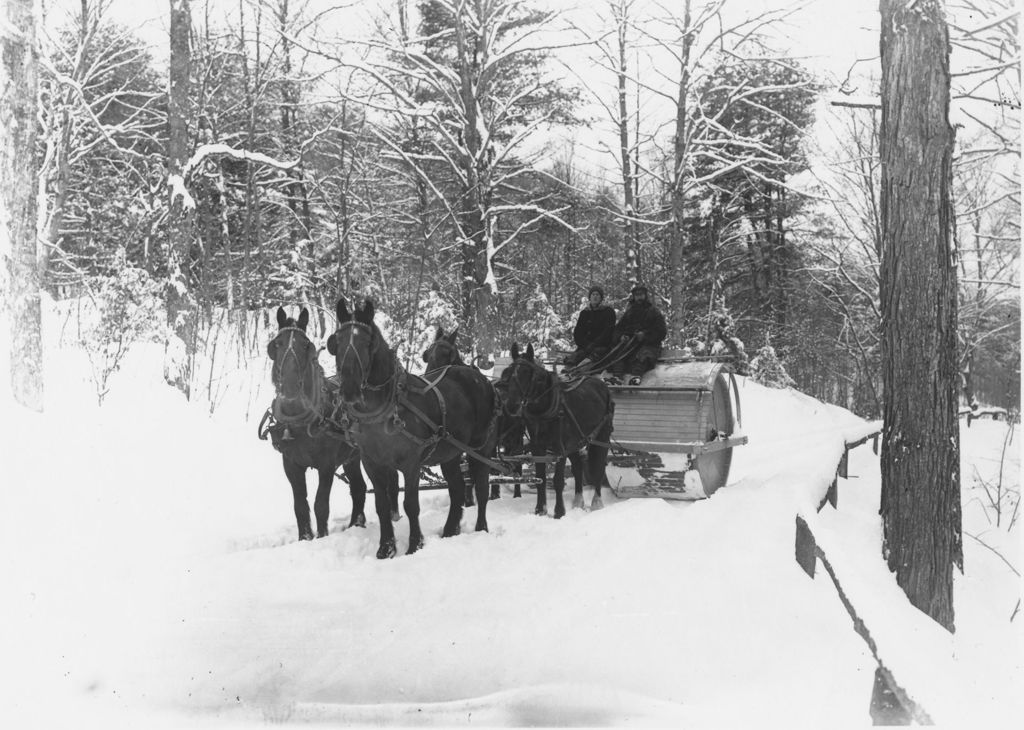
644, 325
593, 331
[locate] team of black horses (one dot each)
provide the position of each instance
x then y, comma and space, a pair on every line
376, 412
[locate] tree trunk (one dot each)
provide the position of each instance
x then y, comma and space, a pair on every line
18, 170
625, 153
477, 227
181, 208
677, 233
920, 504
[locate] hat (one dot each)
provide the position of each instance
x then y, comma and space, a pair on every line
595, 288
639, 288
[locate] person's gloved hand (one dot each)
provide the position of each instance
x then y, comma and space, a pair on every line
640, 336
624, 338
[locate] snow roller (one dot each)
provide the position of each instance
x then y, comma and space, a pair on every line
675, 431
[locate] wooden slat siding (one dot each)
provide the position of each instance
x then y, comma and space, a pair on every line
663, 417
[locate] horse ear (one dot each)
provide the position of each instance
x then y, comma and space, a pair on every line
452, 335
368, 310
332, 344
282, 318
529, 352
341, 311
514, 351
303, 319
272, 349
439, 334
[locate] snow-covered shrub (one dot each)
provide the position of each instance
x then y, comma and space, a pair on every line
722, 340
129, 309
767, 369
433, 311
542, 325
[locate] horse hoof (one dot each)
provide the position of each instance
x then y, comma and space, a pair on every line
387, 550
396, 516
451, 531
596, 503
305, 536
541, 511
482, 528
358, 521
321, 533
414, 546
559, 513
517, 494
577, 502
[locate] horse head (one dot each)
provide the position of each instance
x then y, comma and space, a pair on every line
527, 381
443, 351
354, 345
295, 367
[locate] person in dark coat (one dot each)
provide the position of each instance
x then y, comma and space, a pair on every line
642, 324
593, 331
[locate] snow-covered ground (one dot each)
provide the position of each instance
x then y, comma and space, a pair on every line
152, 578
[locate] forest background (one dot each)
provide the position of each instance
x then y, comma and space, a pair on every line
479, 164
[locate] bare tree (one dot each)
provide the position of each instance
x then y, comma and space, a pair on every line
180, 205
484, 93
18, 105
920, 448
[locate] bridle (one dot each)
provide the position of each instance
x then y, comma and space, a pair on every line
310, 404
531, 396
349, 350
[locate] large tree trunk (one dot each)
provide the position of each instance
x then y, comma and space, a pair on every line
18, 87
677, 232
625, 153
477, 227
920, 448
181, 207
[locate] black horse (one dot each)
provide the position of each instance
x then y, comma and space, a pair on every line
301, 431
401, 421
511, 431
562, 419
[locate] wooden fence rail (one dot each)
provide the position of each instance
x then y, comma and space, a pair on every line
891, 704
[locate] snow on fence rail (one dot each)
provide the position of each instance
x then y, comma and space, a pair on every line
914, 654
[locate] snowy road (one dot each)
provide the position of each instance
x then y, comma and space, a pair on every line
177, 587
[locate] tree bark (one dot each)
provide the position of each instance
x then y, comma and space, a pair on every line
180, 206
677, 233
920, 503
625, 153
18, 169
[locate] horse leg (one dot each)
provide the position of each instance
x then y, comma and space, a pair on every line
579, 475
457, 490
356, 490
322, 504
478, 472
380, 477
597, 460
412, 505
495, 489
392, 487
542, 491
470, 497
578, 479
559, 488
297, 478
